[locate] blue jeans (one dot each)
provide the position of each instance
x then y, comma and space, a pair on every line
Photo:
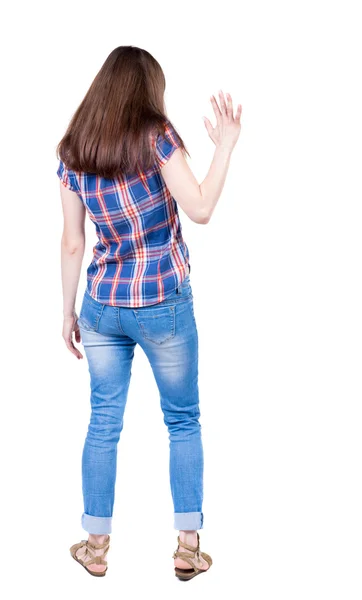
168, 335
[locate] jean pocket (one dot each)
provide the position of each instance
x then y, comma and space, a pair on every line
156, 324
90, 313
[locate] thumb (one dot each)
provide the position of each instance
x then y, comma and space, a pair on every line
208, 125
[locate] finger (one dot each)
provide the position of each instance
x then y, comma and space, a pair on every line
77, 335
229, 106
73, 349
222, 102
208, 125
216, 108
238, 113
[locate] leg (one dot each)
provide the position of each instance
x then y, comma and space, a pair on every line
170, 341
109, 360
172, 350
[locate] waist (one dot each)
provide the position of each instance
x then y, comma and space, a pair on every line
135, 288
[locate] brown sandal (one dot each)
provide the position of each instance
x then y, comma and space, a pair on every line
189, 557
93, 559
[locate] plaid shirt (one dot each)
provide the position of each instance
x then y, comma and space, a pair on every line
140, 257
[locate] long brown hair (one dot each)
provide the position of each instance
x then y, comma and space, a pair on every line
111, 130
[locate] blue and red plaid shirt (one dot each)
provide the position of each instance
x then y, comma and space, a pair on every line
140, 257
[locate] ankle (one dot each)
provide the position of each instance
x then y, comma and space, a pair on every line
189, 537
97, 539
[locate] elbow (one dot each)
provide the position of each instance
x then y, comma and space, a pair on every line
73, 245
204, 214
203, 218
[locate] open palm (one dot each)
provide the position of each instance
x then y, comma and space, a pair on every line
227, 129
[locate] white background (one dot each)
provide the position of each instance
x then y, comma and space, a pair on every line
276, 278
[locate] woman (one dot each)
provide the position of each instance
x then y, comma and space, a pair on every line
122, 161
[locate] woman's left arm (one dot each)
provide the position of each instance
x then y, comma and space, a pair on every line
72, 252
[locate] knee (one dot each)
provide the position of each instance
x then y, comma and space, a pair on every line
183, 424
106, 430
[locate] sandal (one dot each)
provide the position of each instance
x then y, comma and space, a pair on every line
93, 559
189, 557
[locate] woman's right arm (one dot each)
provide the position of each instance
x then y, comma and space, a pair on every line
199, 200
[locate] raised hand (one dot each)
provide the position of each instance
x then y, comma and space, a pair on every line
227, 129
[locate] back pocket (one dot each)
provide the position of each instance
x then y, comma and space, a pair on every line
156, 324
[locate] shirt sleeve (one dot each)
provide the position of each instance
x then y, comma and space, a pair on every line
165, 146
66, 177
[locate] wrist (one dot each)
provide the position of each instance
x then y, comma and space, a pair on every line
224, 150
67, 315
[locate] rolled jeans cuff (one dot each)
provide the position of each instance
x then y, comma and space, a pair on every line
96, 525
188, 521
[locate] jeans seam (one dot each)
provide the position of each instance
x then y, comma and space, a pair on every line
99, 317
175, 301
119, 321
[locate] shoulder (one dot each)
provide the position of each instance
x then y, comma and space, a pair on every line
67, 176
166, 143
